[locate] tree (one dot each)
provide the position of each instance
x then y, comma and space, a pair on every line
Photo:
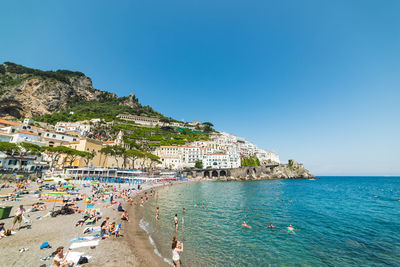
11, 149
54, 153
106, 151
87, 156
71, 155
198, 164
153, 159
133, 154
116, 152
208, 124
28, 149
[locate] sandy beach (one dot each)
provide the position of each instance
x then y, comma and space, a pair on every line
133, 248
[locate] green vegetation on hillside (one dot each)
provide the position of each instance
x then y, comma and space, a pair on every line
107, 108
146, 138
60, 75
250, 161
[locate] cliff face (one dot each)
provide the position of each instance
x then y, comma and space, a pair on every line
26, 92
292, 170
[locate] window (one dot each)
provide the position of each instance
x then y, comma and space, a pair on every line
54, 136
62, 137
47, 134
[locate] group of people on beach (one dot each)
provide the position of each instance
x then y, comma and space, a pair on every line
90, 195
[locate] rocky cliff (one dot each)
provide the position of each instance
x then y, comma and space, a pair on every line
293, 170
26, 92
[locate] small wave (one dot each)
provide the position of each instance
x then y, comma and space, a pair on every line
146, 227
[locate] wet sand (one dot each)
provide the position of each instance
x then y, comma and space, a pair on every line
133, 249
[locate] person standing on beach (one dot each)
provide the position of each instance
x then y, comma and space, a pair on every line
176, 222
176, 248
18, 217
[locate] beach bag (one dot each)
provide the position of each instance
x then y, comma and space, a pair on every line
45, 245
83, 260
7, 232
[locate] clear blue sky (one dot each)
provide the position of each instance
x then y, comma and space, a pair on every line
317, 81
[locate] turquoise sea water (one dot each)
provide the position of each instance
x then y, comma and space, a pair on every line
342, 221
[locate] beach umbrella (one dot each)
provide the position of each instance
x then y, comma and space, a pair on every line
94, 182
57, 193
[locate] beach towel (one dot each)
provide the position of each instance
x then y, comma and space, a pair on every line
85, 238
84, 244
74, 256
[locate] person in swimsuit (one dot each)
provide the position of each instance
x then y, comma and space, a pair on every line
176, 222
60, 260
157, 213
246, 225
291, 229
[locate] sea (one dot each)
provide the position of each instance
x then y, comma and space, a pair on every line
339, 221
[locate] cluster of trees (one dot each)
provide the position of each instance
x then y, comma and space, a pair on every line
60, 75
250, 161
198, 164
18, 151
119, 152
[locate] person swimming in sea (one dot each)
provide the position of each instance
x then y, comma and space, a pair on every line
291, 229
271, 226
245, 225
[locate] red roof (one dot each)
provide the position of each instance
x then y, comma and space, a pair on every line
12, 123
26, 132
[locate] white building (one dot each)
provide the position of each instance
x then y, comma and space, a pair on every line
28, 163
79, 127
141, 120
190, 154
28, 137
170, 156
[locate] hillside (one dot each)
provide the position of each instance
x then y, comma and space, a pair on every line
51, 96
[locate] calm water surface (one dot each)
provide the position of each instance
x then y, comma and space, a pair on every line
341, 221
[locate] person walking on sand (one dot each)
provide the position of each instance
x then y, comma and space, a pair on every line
157, 214
176, 248
18, 217
176, 222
